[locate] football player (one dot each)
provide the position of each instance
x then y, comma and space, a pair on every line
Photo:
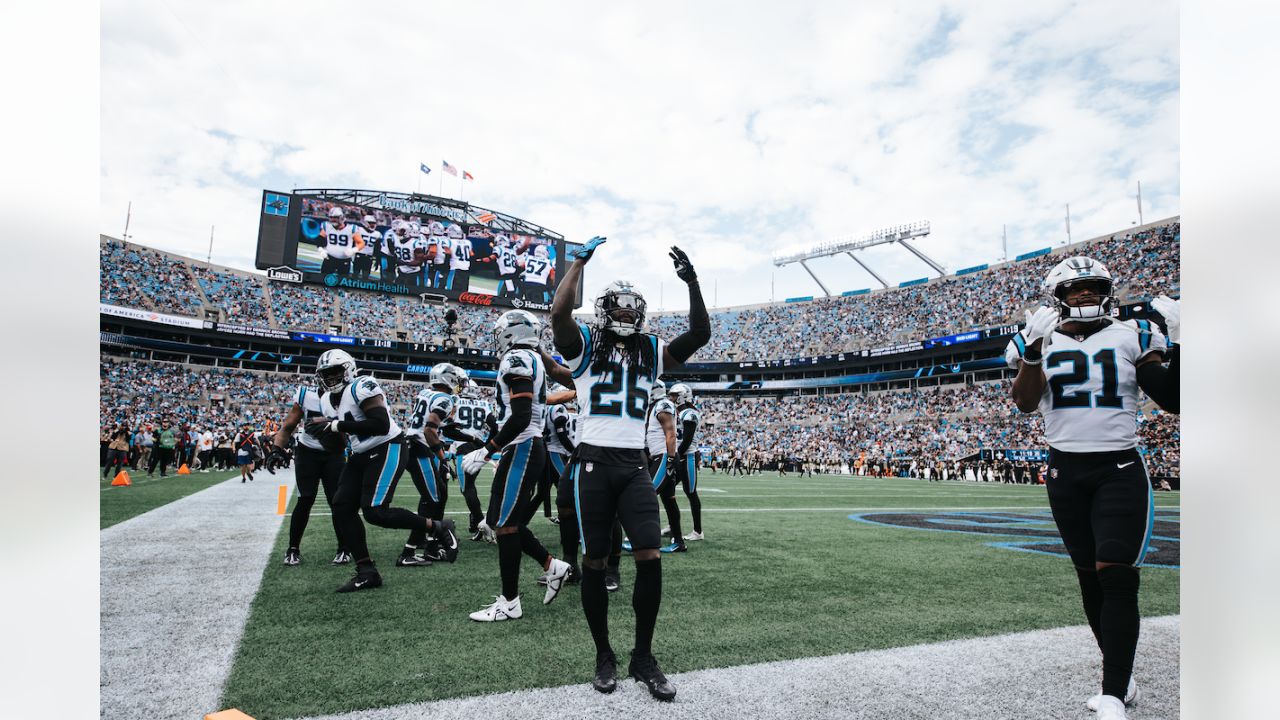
660, 441
459, 259
1082, 371
439, 266
522, 391
433, 407
409, 248
319, 458
507, 265
615, 364
687, 421
371, 239
339, 242
557, 432
472, 425
536, 276
357, 407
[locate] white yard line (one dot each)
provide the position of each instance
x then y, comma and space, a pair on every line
1038, 674
177, 583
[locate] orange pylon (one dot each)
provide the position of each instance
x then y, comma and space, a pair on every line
121, 478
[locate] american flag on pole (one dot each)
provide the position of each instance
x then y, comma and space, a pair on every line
486, 217
467, 176
449, 168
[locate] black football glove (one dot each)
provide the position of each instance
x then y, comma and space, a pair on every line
684, 268
318, 428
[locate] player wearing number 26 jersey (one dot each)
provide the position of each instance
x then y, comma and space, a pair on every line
615, 365
1082, 370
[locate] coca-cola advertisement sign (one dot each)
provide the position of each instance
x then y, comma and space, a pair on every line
475, 298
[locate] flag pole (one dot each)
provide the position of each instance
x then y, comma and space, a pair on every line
440, 192
1140, 222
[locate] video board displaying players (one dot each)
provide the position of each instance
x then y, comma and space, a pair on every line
346, 245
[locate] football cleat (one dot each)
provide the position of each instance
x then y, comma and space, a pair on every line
695, 535
362, 581
666, 531
342, 557
674, 547
292, 557
1130, 696
408, 559
448, 539
644, 668
612, 581
1109, 707
606, 679
487, 532
501, 609
626, 546
556, 575
554, 520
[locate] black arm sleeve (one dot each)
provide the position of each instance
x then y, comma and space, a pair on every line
1161, 383
453, 432
562, 432
376, 422
690, 427
521, 412
699, 333
491, 423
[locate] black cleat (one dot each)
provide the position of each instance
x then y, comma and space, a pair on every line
363, 581
612, 581
292, 557
554, 520
573, 577
407, 559
606, 679
644, 668
444, 531
342, 557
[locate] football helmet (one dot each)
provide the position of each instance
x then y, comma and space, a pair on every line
658, 391
335, 370
435, 227
540, 251
337, 216
470, 390
399, 227
415, 230
620, 308
680, 394
454, 231
450, 376
516, 328
1068, 273
370, 222
503, 240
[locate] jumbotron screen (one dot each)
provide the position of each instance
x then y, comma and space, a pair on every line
408, 245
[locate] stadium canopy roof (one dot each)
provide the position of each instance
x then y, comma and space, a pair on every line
850, 244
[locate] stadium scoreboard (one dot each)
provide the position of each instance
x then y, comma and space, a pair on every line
409, 244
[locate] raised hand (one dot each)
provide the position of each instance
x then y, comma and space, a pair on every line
584, 253
684, 268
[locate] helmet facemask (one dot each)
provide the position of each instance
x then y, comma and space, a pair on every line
1086, 312
621, 309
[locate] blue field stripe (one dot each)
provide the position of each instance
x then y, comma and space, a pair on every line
691, 468
388, 473
428, 469
515, 477
660, 473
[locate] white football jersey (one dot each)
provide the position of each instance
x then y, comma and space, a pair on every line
615, 401
361, 389
554, 413
655, 438
507, 260
687, 415
428, 401
459, 254
403, 248
372, 239
308, 400
522, 363
537, 270
470, 417
1090, 401
341, 242
441, 258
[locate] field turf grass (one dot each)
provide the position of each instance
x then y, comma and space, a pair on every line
118, 504
788, 575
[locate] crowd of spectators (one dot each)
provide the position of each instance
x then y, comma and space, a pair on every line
137, 277
242, 298
299, 307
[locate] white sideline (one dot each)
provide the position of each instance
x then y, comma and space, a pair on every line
1041, 674
177, 583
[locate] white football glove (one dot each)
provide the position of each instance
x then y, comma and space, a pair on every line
1171, 310
1040, 323
475, 460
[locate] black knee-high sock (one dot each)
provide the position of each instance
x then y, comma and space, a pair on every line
298, 521
1091, 596
473, 501
532, 546
569, 536
509, 564
595, 605
418, 536
673, 518
1119, 623
645, 600
695, 509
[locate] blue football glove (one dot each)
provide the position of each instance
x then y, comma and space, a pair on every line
584, 253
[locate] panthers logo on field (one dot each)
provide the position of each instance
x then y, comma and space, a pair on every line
1031, 531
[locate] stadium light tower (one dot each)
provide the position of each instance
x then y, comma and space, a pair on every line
850, 244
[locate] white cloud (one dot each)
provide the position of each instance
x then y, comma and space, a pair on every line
732, 129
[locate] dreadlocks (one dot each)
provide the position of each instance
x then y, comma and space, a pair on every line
635, 350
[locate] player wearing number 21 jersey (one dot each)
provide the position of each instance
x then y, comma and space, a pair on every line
1082, 370
615, 365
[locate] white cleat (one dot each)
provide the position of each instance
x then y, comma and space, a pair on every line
1130, 696
695, 535
556, 575
501, 609
1108, 707
490, 536
666, 531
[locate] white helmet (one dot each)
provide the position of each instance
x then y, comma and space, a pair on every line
436, 227
1079, 269
335, 370
516, 328
470, 390
336, 213
450, 376
454, 231
680, 394
658, 391
399, 227
540, 251
370, 221
621, 297
414, 228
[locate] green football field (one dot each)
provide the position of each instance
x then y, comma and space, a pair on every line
785, 573
119, 503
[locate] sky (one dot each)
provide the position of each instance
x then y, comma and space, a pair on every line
735, 130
